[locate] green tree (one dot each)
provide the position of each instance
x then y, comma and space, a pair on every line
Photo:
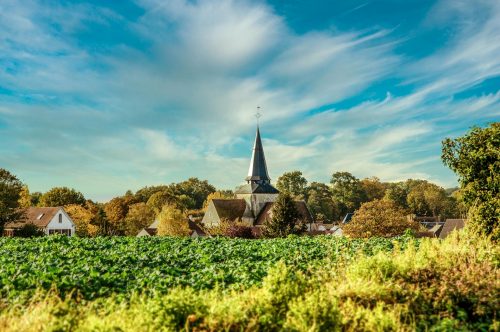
293, 183
320, 203
475, 158
35, 198
194, 188
139, 216
347, 192
24, 197
10, 188
160, 198
381, 218
172, 222
285, 219
60, 196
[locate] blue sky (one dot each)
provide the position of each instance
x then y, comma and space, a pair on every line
106, 96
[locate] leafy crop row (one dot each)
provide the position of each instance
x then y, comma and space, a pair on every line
97, 267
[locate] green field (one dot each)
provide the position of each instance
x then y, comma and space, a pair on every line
298, 283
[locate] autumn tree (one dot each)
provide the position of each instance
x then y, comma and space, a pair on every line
60, 196
373, 188
475, 158
10, 188
83, 219
172, 222
320, 203
24, 197
285, 219
139, 216
294, 183
116, 210
381, 218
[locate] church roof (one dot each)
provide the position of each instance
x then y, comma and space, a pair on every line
230, 209
258, 167
256, 188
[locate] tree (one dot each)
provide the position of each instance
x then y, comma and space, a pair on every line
172, 222
116, 210
398, 193
10, 188
475, 158
293, 183
320, 203
195, 189
381, 218
83, 218
35, 198
373, 188
139, 216
24, 197
160, 198
285, 219
347, 192
60, 196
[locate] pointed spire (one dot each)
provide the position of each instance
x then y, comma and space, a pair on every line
258, 169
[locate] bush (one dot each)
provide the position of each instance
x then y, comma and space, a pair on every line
29, 230
379, 218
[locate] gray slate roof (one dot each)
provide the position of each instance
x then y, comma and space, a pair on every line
258, 168
450, 225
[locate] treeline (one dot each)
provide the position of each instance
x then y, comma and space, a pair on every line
345, 194
128, 214
122, 215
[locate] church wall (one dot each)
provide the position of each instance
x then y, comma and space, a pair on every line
211, 217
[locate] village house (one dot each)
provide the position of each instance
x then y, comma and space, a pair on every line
51, 220
254, 200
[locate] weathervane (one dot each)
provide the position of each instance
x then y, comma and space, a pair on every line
258, 115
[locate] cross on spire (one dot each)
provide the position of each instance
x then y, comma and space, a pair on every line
258, 115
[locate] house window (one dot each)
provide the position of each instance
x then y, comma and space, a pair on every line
66, 232
40, 216
60, 218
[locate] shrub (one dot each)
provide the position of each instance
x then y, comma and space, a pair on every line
29, 230
379, 218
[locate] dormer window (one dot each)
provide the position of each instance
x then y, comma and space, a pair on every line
60, 218
40, 216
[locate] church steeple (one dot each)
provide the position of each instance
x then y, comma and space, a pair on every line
257, 173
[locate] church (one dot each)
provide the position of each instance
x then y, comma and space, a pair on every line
254, 200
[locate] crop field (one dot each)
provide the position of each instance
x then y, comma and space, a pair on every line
96, 267
295, 284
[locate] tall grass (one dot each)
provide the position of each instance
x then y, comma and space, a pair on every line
448, 285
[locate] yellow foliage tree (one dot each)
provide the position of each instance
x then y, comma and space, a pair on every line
381, 218
24, 197
172, 222
83, 219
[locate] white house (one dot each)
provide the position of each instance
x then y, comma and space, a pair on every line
52, 220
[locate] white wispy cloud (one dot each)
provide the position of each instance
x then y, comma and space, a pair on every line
172, 107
